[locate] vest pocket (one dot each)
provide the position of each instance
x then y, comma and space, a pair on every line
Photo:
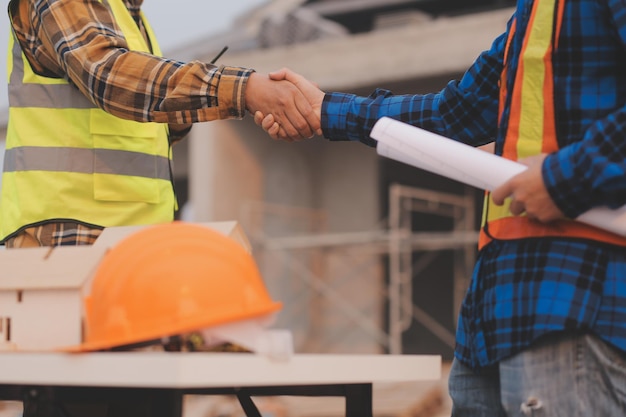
125, 160
125, 188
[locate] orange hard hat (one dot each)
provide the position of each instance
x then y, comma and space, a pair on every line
171, 279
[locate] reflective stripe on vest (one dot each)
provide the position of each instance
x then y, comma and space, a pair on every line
67, 159
531, 127
86, 161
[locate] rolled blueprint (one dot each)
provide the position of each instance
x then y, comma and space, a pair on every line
443, 156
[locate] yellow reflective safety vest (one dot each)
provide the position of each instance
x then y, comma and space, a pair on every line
68, 160
532, 129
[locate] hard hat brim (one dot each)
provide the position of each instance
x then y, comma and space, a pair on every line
183, 328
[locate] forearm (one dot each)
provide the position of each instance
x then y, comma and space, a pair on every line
590, 173
159, 90
350, 117
93, 54
466, 110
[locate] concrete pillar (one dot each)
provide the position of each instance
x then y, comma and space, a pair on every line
202, 172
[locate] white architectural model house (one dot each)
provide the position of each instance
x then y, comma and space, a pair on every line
42, 289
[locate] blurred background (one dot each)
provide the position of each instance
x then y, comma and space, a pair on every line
368, 255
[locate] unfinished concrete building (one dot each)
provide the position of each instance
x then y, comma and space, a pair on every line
368, 255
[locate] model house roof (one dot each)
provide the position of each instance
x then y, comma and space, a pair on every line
48, 268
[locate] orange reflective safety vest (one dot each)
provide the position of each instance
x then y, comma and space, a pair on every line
531, 128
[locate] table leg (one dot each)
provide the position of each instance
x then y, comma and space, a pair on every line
359, 400
249, 407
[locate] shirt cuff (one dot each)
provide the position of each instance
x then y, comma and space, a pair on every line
231, 90
334, 113
178, 132
350, 117
564, 187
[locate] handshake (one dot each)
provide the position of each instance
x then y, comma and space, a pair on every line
285, 104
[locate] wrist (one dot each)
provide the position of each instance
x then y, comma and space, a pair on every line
249, 93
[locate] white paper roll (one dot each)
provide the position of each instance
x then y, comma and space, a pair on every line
443, 156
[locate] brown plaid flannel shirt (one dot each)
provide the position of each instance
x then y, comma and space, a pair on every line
54, 234
80, 41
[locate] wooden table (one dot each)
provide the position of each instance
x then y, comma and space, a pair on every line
161, 379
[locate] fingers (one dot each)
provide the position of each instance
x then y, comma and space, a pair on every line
279, 75
268, 124
528, 193
310, 91
293, 101
258, 118
306, 110
506, 190
296, 116
285, 102
502, 192
304, 102
517, 208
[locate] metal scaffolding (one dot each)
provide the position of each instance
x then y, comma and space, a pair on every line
296, 258
405, 240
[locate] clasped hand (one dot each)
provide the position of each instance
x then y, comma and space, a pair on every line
285, 104
528, 193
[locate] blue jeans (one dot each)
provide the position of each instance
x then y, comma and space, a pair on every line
562, 375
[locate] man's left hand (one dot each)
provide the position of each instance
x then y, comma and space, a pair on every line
528, 193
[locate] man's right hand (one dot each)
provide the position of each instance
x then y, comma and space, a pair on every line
289, 107
270, 123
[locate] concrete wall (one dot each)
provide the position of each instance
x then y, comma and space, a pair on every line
441, 46
277, 190
333, 296
281, 193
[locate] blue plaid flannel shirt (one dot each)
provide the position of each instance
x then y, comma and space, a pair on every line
523, 289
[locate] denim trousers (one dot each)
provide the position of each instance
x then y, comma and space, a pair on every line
562, 375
